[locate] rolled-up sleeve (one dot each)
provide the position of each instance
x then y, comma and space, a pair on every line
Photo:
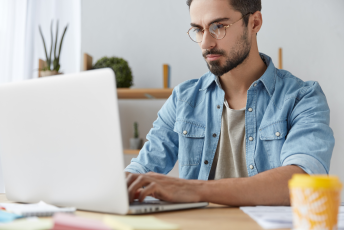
310, 141
135, 167
160, 152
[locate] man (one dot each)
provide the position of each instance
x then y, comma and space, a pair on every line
240, 131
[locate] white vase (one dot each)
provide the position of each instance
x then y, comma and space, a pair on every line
135, 143
46, 73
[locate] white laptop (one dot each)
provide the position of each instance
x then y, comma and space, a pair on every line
60, 142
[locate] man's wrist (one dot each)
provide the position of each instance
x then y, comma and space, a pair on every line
200, 188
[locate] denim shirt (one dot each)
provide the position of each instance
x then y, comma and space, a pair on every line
286, 123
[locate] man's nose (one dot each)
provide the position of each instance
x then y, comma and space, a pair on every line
208, 42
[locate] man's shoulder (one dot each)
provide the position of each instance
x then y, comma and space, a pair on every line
292, 86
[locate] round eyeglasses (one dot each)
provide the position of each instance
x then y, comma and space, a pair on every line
216, 30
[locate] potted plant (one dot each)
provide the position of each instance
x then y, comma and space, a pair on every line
124, 78
136, 142
52, 66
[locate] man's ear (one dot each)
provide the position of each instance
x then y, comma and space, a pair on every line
256, 22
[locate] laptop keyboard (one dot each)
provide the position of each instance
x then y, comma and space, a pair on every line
143, 203
149, 201
150, 204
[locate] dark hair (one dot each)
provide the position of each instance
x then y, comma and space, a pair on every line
243, 6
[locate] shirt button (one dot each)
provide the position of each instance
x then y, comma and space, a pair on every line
185, 132
214, 135
277, 134
255, 84
251, 167
218, 106
250, 138
250, 109
206, 162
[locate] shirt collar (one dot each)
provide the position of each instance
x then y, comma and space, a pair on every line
268, 78
208, 79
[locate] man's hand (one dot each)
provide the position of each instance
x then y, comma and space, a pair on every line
162, 187
266, 188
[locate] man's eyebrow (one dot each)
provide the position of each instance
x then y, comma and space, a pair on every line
213, 21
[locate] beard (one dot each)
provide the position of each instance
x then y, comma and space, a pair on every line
237, 56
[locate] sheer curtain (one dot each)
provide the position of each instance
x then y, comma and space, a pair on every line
13, 15
20, 42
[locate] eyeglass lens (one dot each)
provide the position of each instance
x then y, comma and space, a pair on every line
217, 31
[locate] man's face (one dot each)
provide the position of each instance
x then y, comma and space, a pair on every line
225, 54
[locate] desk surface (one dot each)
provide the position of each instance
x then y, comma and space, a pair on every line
212, 217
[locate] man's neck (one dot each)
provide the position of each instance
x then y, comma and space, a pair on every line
236, 82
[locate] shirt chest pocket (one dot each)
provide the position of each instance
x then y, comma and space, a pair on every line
273, 137
191, 141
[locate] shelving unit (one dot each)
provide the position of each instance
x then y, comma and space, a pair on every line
143, 93
131, 151
127, 93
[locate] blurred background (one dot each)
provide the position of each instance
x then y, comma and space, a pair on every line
148, 34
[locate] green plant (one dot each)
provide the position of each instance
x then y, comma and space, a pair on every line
121, 68
136, 130
56, 62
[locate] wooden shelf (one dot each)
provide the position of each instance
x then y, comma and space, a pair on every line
131, 151
143, 93
125, 93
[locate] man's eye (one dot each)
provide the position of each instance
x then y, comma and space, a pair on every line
196, 30
219, 26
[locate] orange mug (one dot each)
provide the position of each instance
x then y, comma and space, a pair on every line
315, 201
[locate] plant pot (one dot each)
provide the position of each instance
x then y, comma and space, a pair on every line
46, 73
135, 143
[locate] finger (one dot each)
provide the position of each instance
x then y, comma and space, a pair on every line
127, 174
137, 193
131, 178
140, 181
150, 189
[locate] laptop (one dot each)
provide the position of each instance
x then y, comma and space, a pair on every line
60, 142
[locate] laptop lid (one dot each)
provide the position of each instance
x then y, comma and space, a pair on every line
60, 141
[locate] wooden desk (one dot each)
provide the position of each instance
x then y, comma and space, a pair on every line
213, 217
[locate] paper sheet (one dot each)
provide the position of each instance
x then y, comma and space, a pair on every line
274, 217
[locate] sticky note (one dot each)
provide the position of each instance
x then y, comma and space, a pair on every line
71, 222
138, 223
8, 217
32, 223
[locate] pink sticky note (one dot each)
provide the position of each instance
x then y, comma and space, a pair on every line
70, 222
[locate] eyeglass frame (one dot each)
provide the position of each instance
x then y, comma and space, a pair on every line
227, 26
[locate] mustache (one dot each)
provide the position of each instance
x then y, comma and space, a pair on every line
213, 51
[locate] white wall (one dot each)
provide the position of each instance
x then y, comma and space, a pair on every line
152, 32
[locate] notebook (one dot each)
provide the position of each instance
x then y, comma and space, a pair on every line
38, 209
